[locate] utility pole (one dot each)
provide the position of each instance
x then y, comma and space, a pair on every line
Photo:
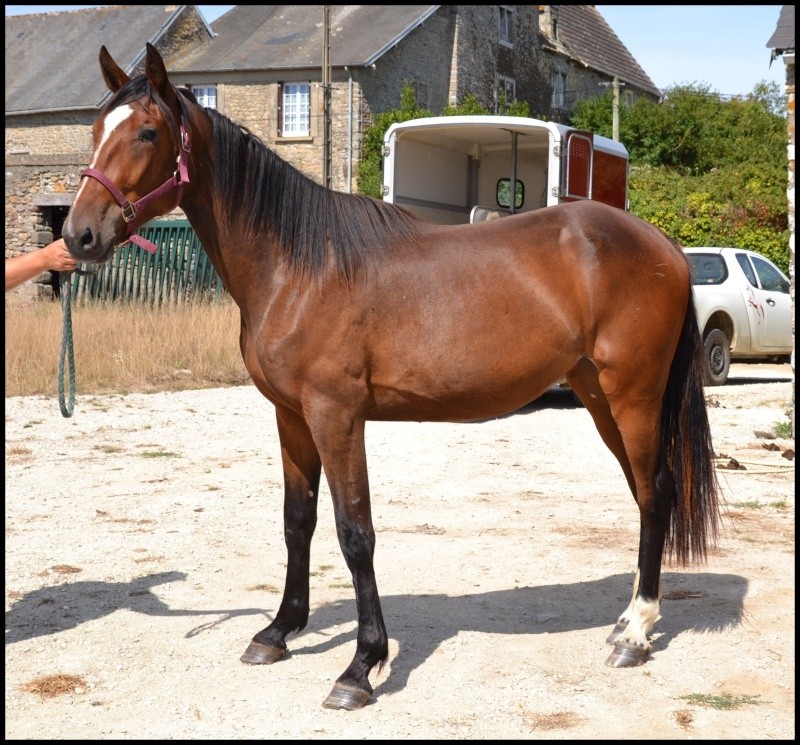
326, 96
615, 86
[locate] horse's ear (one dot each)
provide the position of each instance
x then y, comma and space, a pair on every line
157, 75
113, 74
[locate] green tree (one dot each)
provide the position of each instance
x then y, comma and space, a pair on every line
370, 167
706, 170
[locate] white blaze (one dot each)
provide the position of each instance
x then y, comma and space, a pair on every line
113, 120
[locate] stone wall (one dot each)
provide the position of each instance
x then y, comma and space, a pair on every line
479, 57
55, 133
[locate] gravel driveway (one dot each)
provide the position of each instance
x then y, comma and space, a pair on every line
144, 548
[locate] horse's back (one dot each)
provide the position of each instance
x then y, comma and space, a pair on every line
485, 317
584, 257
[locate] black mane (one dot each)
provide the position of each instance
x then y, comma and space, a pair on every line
266, 195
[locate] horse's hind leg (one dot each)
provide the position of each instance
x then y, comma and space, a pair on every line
629, 426
584, 381
301, 473
638, 420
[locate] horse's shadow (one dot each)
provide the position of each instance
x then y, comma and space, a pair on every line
421, 623
51, 610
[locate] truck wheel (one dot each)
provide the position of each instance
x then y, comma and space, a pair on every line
718, 357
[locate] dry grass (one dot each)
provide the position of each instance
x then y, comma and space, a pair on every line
49, 686
556, 721
121, 348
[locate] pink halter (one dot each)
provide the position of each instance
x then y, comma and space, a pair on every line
177, 180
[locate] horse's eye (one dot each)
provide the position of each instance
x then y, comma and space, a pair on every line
147, 135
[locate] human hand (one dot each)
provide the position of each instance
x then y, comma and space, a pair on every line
58, 256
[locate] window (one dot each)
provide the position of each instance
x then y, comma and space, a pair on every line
504, 193
558, 80
506, 25
206, 95
769, 277
505, 93
747, 269
295, 118
707, 269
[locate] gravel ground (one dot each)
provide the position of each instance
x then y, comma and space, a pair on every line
144, 548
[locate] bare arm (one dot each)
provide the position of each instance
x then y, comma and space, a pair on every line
54, 256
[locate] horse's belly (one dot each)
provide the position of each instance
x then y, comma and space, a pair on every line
462, 385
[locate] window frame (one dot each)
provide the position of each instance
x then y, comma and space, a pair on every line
283, 107
504, 187
503, 81
421, 94
194, 88
506, 26
558, 96
769, 278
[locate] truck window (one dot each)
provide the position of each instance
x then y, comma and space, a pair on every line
769, 277
747, 269
707, 269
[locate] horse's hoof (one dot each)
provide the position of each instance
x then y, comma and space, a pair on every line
626, 654
616, 632
261, 654
346, 697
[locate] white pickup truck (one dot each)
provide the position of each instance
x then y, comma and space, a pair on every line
743, 308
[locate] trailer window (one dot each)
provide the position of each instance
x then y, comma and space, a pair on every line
504, 193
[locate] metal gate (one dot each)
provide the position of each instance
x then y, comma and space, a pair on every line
179, 271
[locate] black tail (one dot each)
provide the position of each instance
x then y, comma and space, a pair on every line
686, 435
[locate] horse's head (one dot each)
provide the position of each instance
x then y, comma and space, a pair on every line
139, 161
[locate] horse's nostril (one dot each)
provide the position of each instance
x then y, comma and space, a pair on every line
87, 238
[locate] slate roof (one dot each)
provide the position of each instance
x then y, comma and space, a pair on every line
783, 39
587, 38
51, 58
269, 37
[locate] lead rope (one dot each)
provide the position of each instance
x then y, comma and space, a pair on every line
65, 285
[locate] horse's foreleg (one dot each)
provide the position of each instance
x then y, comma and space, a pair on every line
345, 463
301, 473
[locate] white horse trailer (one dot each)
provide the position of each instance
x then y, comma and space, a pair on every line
460, 169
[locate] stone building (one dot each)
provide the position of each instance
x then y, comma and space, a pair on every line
581, 56
263, 67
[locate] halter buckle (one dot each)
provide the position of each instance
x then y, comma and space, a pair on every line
128, 212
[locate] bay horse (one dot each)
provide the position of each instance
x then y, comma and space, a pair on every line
353, 309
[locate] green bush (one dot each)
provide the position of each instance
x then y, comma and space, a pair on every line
707, 171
